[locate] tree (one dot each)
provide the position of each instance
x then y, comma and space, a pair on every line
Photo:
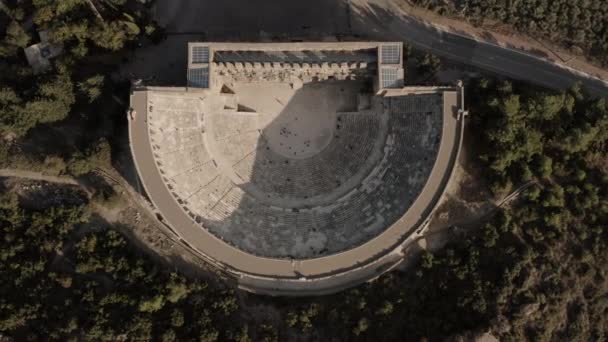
115, 34
53, 102
490, 235
386, 309
545, 166
577, 24
177, 318
15, 38
10, 104
428, 64
152, 304
54, 165
168, 336
428, 260
98, 155
578, 139
177, 289
362, 326
91, 87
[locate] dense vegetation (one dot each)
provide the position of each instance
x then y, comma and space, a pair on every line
572, 23
96, 156
27, 99
559, 140
536, 271
534, 134
64, 280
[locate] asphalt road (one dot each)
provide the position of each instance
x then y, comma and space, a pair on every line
253, 19
382, 18
362, 19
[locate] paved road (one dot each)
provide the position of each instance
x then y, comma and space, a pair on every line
382, 18
250, 20
363, 19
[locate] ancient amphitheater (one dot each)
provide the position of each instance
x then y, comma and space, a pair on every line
296, 168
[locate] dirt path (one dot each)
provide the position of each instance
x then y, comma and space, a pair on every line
39, 176
109, 214
437, 237
483, 215
137, 220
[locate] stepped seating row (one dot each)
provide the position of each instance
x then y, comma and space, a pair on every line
167, 120
304, 178
236, 147
167, 114
172, 163
228, 125
415, 104
260, 228
173, 140
190, 181
363, 213
168, 103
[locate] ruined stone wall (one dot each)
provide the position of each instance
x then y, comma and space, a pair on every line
288, 72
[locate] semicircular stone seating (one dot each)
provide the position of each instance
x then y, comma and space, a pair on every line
270, 205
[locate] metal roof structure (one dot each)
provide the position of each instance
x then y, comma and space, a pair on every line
390, 54
200, 54
390, 78
198, 77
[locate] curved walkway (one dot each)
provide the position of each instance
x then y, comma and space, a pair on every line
297, 277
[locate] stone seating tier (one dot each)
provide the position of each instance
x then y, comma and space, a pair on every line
407, 153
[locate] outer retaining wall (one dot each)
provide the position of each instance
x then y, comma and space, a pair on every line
300, 277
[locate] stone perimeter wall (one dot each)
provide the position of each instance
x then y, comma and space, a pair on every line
254, 274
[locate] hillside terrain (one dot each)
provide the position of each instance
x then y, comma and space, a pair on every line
537, 269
